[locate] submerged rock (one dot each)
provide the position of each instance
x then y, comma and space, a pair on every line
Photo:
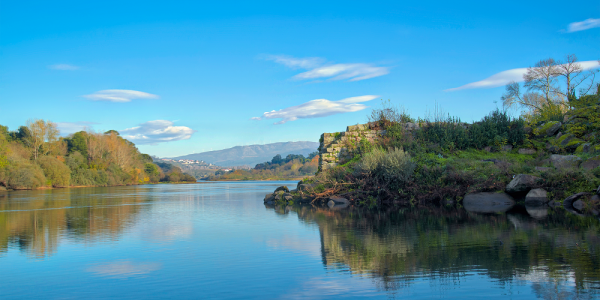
522, 183
579, 205
488, 202
568, 203
339, 200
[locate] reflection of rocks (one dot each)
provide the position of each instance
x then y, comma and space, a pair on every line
538, 212
488, 202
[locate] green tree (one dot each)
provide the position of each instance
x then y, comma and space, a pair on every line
56, 172
78, 143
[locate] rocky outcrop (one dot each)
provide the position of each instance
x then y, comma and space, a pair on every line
522, 183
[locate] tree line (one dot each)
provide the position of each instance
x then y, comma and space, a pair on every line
291, 167
35, 155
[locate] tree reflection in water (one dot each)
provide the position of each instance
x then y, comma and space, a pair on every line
35, 221
556, 253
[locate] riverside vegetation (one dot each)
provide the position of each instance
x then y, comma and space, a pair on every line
553, 145
35, 156
292, 167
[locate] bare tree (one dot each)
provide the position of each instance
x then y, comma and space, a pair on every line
574, 76
542, 77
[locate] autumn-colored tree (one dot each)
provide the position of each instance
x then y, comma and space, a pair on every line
41, 132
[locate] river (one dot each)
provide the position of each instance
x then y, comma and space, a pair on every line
219, 240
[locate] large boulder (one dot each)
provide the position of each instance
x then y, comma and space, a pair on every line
579, 205
591, 163
488, 202
548, 128
537, 196
568, 202
522, 183
565, 161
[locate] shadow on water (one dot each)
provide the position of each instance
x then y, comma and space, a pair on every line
554, 251
35, 221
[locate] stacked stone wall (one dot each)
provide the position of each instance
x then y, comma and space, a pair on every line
339, 147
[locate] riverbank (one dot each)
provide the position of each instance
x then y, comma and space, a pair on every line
3, 189
441, 161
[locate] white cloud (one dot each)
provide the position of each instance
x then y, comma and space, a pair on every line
583, 25
63, 67
318, 68
119, 95
67, 128
516, 75
317, 108
158, 131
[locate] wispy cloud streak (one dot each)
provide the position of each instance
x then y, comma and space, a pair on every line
583, 25
63, 67
319, 68
505, 77
317, 108
119, 95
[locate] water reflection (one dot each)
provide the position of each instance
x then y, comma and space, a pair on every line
552, 250
35, 221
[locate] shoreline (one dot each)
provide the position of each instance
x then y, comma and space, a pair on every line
91, 186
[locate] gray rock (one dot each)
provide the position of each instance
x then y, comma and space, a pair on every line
522, 183
282, 188
306, 187
537, 212
526, 151
543, 169
536, 196
579, 205
331, 203
269, 197
552, 148
288, 198
488, 202
568, 202
559, 135
591, 163
586, 147
549, 131
507, 148
565, 161
339, 200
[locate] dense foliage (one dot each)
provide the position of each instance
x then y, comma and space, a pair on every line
35, 156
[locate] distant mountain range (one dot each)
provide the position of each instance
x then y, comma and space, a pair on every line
253, 154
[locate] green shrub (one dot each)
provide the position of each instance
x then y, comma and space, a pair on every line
394, 167
23, 174
58, 174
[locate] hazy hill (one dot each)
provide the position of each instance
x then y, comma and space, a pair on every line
253, 154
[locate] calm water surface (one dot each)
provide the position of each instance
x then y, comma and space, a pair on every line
218, 240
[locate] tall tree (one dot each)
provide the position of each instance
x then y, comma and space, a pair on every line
41, 132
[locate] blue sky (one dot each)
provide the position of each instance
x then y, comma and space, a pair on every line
182, 77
